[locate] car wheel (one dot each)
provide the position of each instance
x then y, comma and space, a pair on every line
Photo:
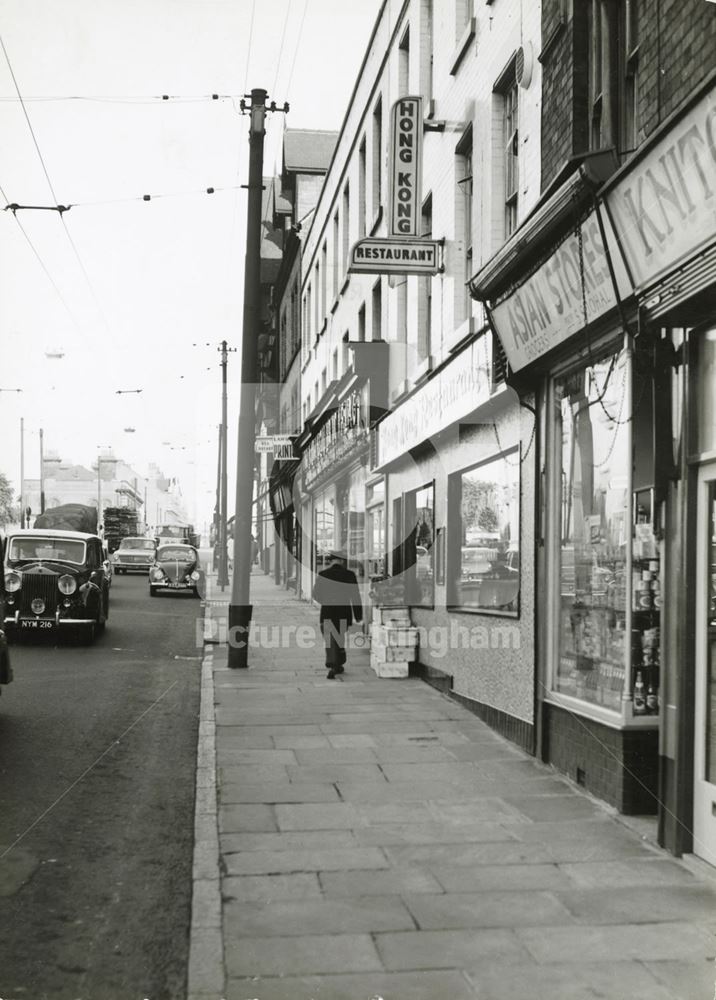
153, 591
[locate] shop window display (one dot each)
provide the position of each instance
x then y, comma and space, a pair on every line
594, 516
484, 518
419, 546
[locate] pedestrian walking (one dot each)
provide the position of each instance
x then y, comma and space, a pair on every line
336, 590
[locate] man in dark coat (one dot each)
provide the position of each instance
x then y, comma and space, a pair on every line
336, 590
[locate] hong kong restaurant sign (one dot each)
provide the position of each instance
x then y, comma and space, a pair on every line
664, 207
550, 306
452, 394
343, 433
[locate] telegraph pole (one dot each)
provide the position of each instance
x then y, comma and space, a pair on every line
240, 609
22, 472
217, 505
42, 472
223, 577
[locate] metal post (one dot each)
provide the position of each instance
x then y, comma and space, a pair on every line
22, 472
240, 609
42, 472
217, 505
223, 577
99, 492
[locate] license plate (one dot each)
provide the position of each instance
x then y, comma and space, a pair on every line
36, 623
176, 586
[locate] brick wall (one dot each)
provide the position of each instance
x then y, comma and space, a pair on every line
619, 766
677, 49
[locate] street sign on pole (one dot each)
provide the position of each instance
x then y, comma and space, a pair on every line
274, 443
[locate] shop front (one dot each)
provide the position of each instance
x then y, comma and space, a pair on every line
458, 460
334, 460
608, 314
287, 535
662, 205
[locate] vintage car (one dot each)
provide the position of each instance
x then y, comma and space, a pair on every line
134, 554
5, 668
55, 581
176, 567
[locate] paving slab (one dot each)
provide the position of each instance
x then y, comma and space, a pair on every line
312, 954
616, 981
641, 904
277, 862
233, 790
448, 949
267, 888
339, 916
619, 942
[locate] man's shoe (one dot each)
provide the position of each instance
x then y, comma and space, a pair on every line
331, 675
339, 670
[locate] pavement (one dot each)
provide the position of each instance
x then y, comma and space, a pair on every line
371, 839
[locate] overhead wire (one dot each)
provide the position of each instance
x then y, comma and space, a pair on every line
47, 273
52, 191
298, 44
280, 50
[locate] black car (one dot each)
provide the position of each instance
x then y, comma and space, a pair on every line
176, 567
55, 581
5, 668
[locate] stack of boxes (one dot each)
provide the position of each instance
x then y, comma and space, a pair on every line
394, 642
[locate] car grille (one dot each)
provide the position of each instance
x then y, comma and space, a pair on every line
136, 559
41, 585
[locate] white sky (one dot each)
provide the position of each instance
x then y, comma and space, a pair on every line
163, 275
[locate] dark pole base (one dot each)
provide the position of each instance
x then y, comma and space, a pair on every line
239, 625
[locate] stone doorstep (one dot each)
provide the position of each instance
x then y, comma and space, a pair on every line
386, 616
391, 670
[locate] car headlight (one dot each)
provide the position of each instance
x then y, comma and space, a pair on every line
67, 584
157, 574
195, 575
13, 582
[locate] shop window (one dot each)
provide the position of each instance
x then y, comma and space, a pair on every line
375, 537
324, 528
483, 520
419, 546
593, 441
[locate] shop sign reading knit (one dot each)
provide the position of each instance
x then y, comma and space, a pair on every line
339, 437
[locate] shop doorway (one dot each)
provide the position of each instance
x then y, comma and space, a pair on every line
705, 703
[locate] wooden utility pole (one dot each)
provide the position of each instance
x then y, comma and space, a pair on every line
240, 609
223, 574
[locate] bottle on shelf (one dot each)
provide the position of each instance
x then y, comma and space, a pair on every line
639, 695
652, 700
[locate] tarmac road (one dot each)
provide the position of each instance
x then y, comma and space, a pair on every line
97, 773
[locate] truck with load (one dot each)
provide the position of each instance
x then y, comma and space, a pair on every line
119, 523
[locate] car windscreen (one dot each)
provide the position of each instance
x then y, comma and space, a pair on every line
53, 549
175, 553
172, 533
137, 543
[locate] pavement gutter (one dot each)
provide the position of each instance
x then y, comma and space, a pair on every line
206, 973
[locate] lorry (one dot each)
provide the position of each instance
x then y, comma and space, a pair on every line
119, 523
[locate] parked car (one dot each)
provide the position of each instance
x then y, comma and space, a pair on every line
5, 668
176, 567
55, 581
134, 554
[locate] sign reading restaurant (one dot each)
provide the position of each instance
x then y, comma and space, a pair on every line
393, 255
549, 307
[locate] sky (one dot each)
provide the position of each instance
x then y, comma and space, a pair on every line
139, 294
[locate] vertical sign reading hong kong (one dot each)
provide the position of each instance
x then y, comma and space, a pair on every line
406, 158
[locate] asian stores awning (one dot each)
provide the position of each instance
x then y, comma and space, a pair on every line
559, 272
